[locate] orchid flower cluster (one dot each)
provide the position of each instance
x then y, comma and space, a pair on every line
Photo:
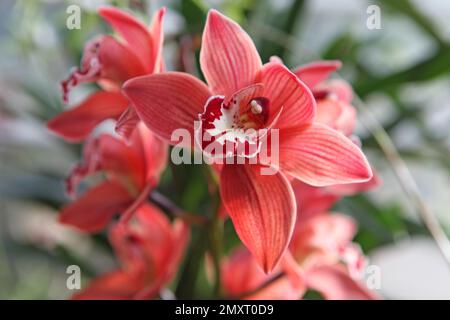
291, 240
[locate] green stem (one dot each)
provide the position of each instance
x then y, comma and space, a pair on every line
215, 235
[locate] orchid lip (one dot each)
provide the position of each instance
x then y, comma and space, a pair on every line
232, 124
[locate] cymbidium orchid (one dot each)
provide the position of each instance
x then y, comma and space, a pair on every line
149, 249
109, 62
131, 170
241, 94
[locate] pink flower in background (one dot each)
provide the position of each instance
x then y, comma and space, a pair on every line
242, 93
242, 278
110, 62
333, 96
321, 257
131, 170
150, 249
334, 109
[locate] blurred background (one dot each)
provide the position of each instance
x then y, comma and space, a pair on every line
401, 72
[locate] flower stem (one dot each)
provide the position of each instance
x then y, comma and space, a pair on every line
176, 211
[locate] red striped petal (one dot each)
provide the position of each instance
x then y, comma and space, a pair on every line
77, 123
321, 156
167, 101
228, 57
284, 90
262, 208
134, 32
95, 208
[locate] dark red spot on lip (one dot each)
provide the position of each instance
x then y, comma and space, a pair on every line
213, 111
320, 94
245, 116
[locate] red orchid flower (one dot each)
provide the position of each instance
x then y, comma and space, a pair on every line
149, 248
110, 62
321, 258
244, 93
131, 170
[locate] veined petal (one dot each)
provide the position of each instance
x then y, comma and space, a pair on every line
76, 124
335, 284
134, 32
92, 211
228, 57
167, 101
321, 156
284, 90
262, 208
315, 72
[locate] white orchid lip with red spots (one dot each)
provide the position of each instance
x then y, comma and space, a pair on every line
234, 126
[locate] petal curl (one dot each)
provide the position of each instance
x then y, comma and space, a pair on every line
262, 209
228, 57
320, 156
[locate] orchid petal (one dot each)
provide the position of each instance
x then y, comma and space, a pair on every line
335, 284
320, 156
95, 208
115, 285
315, 72
168, 101
134, 32
228, 57
107, 61
243, 278
77, 123
284, 90
127, 123
262, 208
156, 31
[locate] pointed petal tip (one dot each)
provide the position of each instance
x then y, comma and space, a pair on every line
105, 10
